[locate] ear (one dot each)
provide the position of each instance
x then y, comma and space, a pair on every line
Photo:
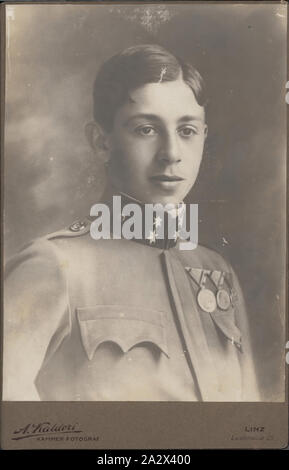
206, 131
98, 140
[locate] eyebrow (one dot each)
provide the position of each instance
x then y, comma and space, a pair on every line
155, 117
188, 118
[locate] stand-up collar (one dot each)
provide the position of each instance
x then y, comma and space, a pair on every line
160, 235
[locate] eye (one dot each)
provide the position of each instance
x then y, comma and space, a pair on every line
146, 131
187, 131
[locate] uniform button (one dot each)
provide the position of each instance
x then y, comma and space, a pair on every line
77, 226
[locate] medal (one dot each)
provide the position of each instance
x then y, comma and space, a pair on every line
222, 296
209, 300
206, 300
223, 299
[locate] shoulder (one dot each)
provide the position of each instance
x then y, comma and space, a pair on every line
47, 250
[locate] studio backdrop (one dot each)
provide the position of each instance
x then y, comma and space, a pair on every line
52, 177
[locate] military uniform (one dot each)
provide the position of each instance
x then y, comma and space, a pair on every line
124, 320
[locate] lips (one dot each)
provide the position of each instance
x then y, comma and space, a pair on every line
167, 178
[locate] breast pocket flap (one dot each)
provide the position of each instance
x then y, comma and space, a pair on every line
126, 326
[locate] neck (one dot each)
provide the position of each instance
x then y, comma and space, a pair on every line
150, 224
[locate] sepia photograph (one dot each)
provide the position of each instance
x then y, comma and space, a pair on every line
144, 195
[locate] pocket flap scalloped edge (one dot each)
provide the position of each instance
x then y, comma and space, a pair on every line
125, 326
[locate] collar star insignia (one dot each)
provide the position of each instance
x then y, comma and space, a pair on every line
152, 237
158, 221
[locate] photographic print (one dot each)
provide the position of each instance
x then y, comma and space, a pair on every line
144, 206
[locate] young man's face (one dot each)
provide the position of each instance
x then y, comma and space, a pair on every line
157, 143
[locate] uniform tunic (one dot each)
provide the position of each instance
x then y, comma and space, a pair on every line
119, 320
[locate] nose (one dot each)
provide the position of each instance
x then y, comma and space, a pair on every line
169, 150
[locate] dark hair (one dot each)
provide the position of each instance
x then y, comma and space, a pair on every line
135, 67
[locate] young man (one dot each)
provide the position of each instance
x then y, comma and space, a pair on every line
139, 319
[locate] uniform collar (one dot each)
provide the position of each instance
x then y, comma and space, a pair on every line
173, 216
